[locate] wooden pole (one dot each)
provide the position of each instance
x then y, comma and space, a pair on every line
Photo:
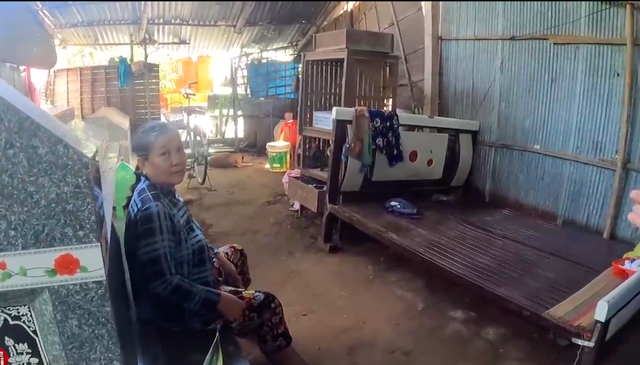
234, 97
621, 159
559, 39
131, 50
146, 82
431, 11
403, 55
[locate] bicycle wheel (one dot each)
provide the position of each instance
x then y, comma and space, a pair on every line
199, 154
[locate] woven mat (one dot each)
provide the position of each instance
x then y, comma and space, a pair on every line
576, 313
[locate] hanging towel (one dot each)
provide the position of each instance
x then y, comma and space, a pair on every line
385, 135
125, 74
360, 144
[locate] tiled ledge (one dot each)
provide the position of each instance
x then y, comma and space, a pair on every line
51, 267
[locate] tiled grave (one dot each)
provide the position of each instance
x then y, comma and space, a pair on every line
53, 210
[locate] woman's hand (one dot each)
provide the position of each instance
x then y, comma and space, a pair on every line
634, 216
231, 276
231, 307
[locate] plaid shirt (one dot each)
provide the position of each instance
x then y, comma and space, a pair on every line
169, 261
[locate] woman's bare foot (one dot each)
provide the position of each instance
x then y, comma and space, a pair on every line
288, 356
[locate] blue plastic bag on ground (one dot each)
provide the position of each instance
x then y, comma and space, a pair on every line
401, 207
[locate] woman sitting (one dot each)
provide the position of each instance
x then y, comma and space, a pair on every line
183, 288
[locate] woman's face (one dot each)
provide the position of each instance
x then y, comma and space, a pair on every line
167, 162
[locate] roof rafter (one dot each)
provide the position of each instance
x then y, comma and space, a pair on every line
144, 21
244, 15
204, 26
166, 24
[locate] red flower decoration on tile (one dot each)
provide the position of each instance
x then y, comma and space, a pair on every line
66, 264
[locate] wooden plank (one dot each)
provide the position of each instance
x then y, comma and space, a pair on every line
529, 278
552, 38
576, 313
431, 12
322, 175
88, 89
625, 125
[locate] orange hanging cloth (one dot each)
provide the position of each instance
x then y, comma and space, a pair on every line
32, 91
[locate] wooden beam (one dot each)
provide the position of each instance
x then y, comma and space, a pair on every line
247, 6
122, 44
403, 55
552, 38
623, 141
144, 21
68, 4
165, 24
234, 103
131, 51
431, 13
137, 24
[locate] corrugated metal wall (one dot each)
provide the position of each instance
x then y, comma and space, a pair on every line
535, 99
376, 16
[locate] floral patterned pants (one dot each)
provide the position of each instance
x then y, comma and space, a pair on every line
263, 315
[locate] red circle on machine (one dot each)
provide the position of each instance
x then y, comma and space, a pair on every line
4, 357
413, 156
430, 162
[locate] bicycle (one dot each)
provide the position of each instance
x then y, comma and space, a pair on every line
195, 140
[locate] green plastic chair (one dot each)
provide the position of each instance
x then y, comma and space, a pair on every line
125, 177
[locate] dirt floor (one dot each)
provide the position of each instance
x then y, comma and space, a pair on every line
364, 306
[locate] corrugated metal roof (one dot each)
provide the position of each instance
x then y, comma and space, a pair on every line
535, 94
206, 26
484, 18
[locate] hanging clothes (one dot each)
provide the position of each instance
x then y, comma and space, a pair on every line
385, 134
125, 74
360, 144
32, 91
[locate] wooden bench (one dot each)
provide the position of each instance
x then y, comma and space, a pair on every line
556, 275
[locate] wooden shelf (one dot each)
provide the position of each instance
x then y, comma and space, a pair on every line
316, 132
316, 174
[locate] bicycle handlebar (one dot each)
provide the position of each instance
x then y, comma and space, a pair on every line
187, 92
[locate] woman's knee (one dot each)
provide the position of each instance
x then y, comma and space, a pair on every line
270, 328
268, 304
269, 297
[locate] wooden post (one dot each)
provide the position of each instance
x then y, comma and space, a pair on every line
403, 55
330, 222
146, 82
431, 12
234, 97
131, 49
375, 7
621, 158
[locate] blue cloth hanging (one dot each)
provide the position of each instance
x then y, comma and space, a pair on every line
125, 74
385, 135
